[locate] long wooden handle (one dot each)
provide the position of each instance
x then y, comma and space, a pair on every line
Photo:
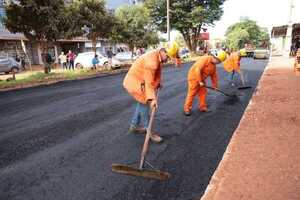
147, 138
242, 77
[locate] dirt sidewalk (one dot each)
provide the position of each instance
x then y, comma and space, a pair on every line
262, 160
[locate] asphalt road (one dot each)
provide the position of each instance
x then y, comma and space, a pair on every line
59, 141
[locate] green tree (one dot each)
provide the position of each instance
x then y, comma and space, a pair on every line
40, 21
93, 15
133, 27
188, 17
246, 32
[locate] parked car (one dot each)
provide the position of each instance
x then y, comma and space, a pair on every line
261, 53
125, 56
9, 64
84, 60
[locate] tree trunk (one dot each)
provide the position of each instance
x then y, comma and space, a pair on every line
94, 45
189, 42
43, 45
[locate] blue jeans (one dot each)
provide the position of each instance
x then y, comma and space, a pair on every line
233, 77
141, 116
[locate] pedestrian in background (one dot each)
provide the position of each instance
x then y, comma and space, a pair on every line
71, 57
47, 60
95, 62
63, 60
109, 55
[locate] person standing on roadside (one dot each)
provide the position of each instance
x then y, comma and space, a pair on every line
110, 55
95, 62
48, 61
71, 57
63, 60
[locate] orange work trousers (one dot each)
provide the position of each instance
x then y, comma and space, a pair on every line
193, 90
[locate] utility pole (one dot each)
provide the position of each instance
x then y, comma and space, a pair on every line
291, 11
168, 19
288, 38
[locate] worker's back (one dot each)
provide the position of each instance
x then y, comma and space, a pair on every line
141, 72
204, 66
232, 62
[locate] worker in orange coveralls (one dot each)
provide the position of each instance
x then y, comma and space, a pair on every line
142, 82
232, 65
198, 73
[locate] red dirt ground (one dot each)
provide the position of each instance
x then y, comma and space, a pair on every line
262, 160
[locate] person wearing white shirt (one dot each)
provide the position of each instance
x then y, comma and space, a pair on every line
63, 60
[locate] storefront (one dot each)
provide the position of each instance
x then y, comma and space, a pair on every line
279, 41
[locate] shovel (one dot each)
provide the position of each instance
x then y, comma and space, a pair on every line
141, 171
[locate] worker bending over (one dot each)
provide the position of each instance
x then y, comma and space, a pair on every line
143, 81
204, 67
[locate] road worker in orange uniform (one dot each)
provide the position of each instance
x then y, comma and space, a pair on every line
142, 82
232, 65
205, 67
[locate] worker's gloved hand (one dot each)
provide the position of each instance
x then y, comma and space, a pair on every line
201, 84
153, 104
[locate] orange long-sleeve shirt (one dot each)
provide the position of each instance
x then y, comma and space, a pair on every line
144, 76
232, 62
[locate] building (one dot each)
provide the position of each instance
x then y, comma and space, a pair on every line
10, 44
279, 39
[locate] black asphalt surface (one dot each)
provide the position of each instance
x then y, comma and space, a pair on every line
59, 141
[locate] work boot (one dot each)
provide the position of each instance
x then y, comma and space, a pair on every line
156, 138
137, 130
187, 113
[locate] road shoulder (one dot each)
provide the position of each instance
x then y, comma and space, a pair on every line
262, 160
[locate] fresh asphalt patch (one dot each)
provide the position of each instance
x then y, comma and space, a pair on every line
59, 141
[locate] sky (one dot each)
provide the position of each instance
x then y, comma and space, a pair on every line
267, 13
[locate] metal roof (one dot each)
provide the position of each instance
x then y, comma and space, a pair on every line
6, 35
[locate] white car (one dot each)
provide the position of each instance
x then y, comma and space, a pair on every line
261, 54
84, 60
125, 56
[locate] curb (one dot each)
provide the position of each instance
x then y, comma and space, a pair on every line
214, 182
35, 85
42, 84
